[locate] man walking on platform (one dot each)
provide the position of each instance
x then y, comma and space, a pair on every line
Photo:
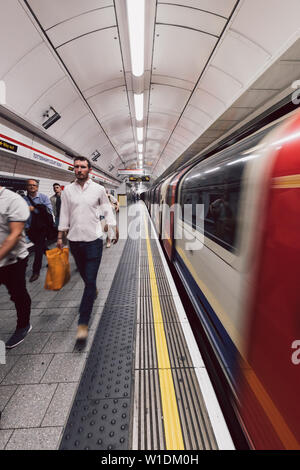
35, 199
13, 259
79, 216
56, 202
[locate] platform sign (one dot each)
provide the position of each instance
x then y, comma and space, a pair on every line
131, 172
8, 146
139, 179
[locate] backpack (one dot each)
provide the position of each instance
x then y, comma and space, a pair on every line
42, 225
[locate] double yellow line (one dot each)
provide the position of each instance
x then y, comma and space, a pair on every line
172, 425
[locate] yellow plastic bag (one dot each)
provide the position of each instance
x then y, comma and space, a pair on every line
58, 273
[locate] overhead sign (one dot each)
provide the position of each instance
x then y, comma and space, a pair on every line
139, 179
131, 171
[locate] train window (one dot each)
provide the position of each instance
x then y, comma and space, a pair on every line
219, 190
216, 183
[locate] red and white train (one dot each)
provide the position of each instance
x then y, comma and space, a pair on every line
244, 282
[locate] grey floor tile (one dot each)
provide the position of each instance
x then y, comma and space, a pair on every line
4, 437
28, 370
35, 439
54, 322
63, 342
27, 407
9, 325
60, 405
65, 368
5, 393
33, 344
5, 368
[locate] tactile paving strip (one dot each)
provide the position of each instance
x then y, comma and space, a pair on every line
148, 421
100, 415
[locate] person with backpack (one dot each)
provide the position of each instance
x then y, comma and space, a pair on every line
39, 224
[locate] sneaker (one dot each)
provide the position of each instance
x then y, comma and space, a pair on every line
18, 337
108, 245
34, 277
82, 332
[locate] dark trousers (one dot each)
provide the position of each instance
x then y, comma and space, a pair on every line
13, 277
40, 246
87, 257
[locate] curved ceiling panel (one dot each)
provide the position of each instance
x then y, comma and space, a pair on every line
18, 33
39, 71
208, 103
272, 30
193, 48
218, 7
75, 111
94, 58
116, 126
81, 131
121, 137
57, 11
198, 116
200, 57
162, 121
81, 25
190, 18
240, 57
59, 96
220, 84
167, 99
110, 103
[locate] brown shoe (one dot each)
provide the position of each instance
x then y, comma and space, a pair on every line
34, 277
82, 332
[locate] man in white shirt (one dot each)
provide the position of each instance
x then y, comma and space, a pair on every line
115, 208
13, 259
79, 216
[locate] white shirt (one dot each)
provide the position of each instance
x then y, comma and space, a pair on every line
79, 211
13, 208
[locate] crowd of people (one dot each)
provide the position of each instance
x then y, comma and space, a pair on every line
71, 215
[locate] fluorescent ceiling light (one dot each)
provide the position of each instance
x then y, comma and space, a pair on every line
136, 23
139, 133
140, 155
140, 148
139, 106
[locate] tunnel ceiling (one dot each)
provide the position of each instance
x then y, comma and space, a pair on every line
205, 63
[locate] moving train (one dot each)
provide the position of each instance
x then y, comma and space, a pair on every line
238, 257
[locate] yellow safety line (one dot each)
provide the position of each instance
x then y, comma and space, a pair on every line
172, 426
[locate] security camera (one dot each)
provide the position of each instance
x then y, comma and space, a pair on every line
51, 119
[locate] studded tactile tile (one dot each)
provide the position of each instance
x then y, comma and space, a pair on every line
98, 425
100, 414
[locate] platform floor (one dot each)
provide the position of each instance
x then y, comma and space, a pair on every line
55, 395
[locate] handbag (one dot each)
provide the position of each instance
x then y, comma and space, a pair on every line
58, 272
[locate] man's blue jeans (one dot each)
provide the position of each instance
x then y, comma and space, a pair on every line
87, 257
